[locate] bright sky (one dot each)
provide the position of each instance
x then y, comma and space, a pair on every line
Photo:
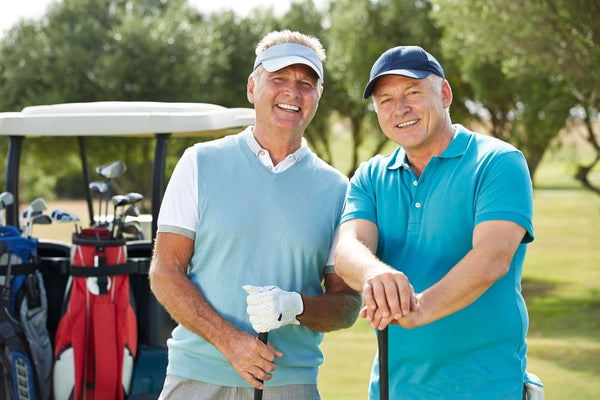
11, 11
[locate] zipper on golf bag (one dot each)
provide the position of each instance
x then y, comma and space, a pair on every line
25, 347
96, 340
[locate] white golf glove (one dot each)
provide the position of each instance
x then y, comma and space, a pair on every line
269, 307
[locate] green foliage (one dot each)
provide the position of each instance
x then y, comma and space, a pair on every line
516, 69
529, 63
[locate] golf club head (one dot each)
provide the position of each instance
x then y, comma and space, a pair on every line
60, 215
120, 200
41, 219
35, 208
38, 205
99, 187
132, 211
6, 199
28, 213
134, 197
130, 228
112, 169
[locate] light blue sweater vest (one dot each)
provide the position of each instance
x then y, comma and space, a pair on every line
258, 228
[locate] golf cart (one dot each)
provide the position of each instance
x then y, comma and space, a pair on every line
162, 121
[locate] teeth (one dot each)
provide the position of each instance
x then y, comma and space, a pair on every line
407, 123
288, 107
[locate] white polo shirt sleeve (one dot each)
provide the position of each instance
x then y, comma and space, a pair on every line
179, 207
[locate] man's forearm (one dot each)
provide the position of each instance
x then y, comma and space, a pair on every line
187, 306
329, 312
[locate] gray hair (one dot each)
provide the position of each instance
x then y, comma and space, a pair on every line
287, 36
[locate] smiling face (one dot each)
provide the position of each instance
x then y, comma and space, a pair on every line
413, 112
285, 101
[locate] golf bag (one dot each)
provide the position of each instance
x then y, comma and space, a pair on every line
25, 347
96, 339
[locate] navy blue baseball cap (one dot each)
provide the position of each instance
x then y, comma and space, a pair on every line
410, 61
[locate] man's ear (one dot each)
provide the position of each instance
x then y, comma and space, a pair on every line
446, 94
250, 89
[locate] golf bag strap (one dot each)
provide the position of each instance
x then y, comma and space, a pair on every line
134, 267
19, 269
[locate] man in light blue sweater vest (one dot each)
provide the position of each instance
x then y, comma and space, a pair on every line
244, 245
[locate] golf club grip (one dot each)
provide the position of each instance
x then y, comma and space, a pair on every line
263, 337
382, 341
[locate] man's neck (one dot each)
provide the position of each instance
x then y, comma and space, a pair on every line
279, 144
419, 158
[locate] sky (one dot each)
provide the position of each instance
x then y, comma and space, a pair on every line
11, 11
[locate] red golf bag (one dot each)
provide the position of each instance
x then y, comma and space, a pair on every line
96, 339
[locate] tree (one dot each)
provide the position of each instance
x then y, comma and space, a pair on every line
546, 50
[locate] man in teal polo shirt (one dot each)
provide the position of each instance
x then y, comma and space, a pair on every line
435, 236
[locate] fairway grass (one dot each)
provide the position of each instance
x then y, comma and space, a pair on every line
348, 358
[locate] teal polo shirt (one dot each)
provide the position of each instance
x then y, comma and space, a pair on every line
425, 227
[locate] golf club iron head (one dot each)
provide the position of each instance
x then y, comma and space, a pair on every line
6, 199
60, 215
35, 208
39, 219
100, 187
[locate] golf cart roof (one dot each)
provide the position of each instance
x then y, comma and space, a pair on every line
160, 120
123, 118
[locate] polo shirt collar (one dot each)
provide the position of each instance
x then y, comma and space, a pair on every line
456, 148
458, 145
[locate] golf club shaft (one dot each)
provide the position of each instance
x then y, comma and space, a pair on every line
263, 336
382, 341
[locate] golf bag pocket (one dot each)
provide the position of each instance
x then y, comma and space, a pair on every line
96, 339
25, 347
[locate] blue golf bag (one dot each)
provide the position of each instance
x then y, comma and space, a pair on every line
25, 346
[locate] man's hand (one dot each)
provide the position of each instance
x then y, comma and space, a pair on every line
251, 358
269, 307
388, 296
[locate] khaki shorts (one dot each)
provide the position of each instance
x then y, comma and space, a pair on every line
177, 388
